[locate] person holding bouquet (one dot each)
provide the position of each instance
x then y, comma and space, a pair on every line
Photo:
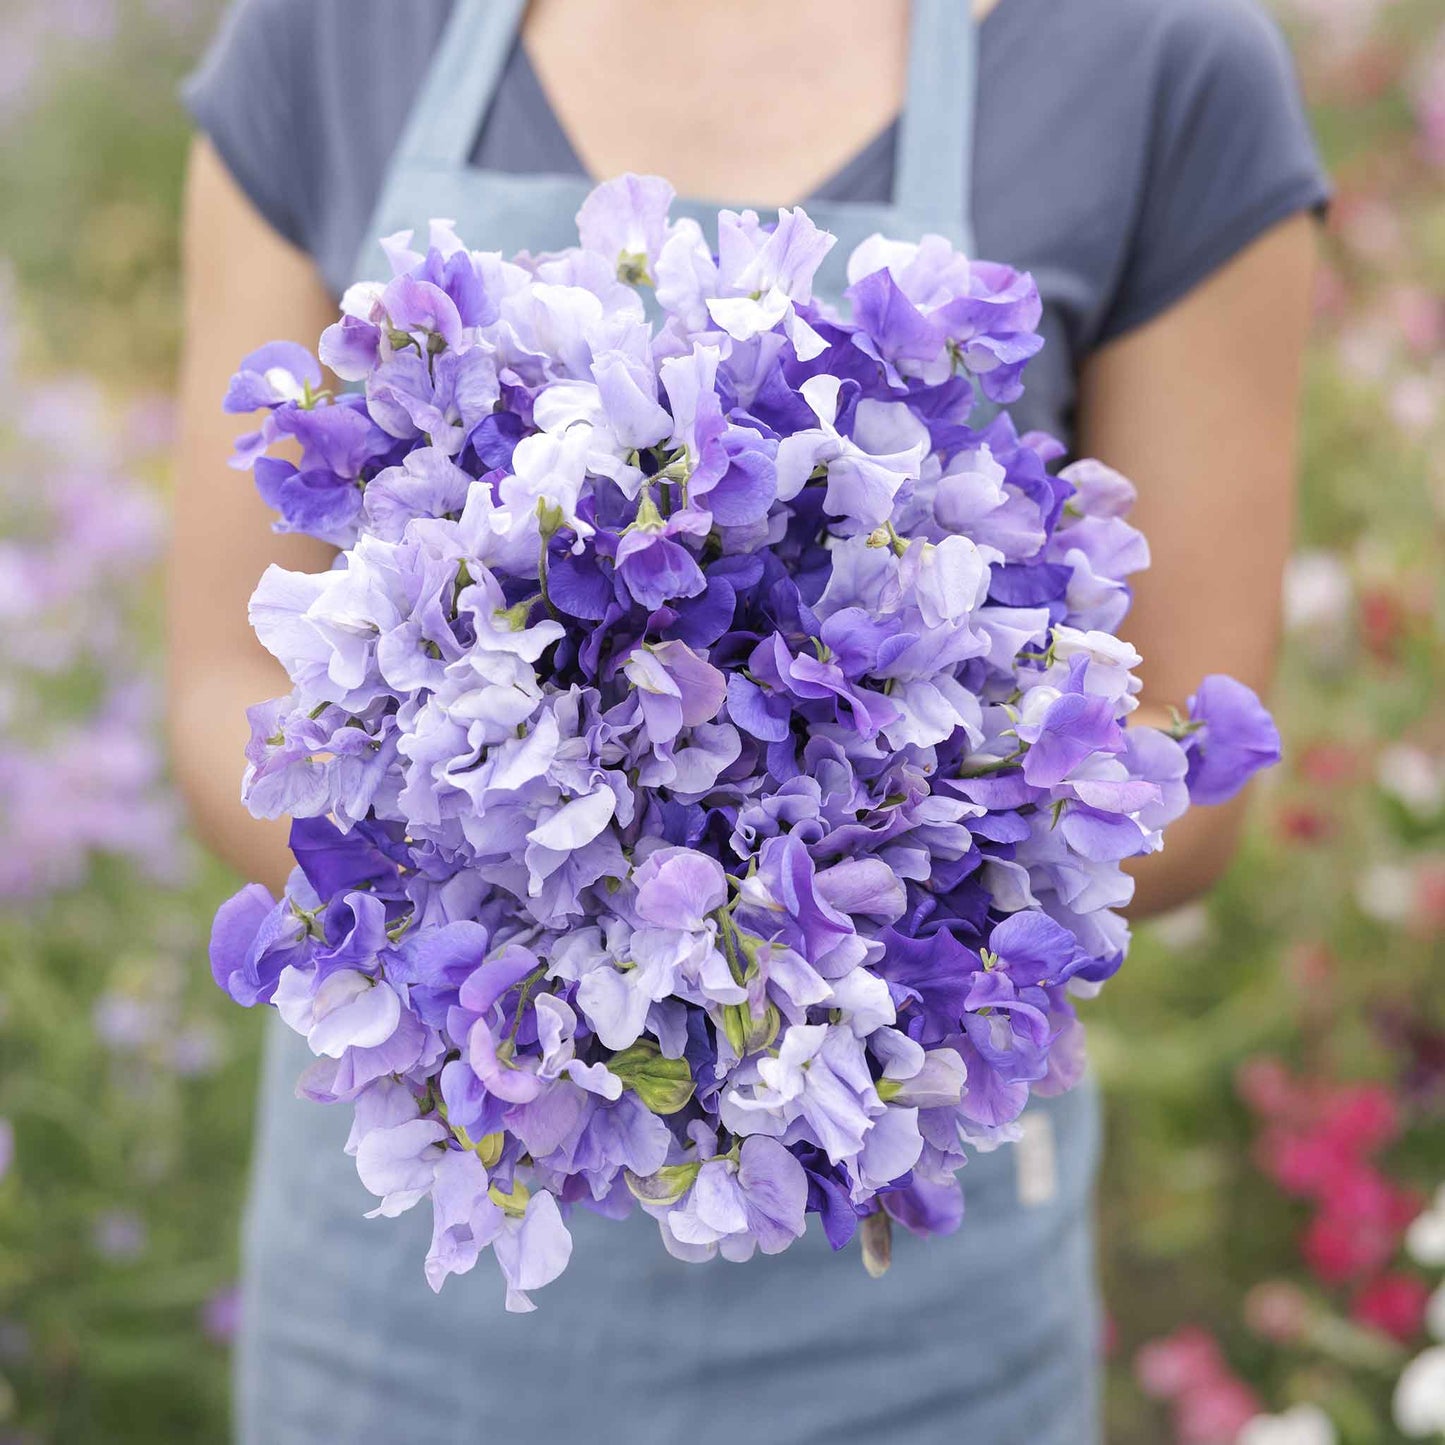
1149, 165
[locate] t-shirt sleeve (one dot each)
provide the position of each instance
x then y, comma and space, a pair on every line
1230, 155
245, 96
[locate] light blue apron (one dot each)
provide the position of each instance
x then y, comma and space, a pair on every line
984, 1338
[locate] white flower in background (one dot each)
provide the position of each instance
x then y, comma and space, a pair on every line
1182, 928
1317, 592
1414, 404
1420, 1395
1410, 775
1425, 1239
1366, 350
1386, 892
1303, 1425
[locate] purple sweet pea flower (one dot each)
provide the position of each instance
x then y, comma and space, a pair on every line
253, 940
1074, 727
1235, 739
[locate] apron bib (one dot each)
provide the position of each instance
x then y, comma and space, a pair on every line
504, 211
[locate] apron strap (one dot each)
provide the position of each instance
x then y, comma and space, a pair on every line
934, 168
452, 102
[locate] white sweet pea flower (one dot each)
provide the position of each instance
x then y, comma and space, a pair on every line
346, 1010
861, 486
398, 1163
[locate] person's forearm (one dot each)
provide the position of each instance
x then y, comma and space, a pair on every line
1197, 850
1197, 847
208, 738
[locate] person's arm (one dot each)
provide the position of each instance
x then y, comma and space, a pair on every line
244, 286
1199, 408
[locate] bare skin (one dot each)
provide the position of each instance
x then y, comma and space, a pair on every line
764, 124
1199, 406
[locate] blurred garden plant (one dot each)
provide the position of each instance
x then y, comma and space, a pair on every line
1272, 1145
80, 761
106, 1048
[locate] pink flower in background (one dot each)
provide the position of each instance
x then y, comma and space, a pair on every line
1188, 1358
221, 1315
1358, 1231
1267, 1086
1419, 313
1329, 764
118, 1235
1370, 226
1427, 917
1209, 1404
1215, 1413
1428, 97
1277, 1310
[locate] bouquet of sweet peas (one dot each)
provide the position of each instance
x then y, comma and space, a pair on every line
706, 753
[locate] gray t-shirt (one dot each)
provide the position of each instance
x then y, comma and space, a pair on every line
1124, 148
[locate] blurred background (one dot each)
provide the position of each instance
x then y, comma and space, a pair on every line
1274, 1060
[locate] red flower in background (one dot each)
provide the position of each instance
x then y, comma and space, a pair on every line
1350, 1242
1329, 764
1319, 1144
1382, 623
1393, 1303
1303, 823
1427, 916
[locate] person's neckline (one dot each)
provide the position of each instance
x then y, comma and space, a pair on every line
825, 191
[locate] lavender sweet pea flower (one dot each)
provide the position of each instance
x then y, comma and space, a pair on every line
891, 1148
277, 373
399, 1163
532, 1249
679, 888
421, 308
861, 487
625, 222
346, 1010
755, 1201
444, 399
762, 273
464, 1218
316, 503
351, 347
676, 689
819, 1077
1235, 739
